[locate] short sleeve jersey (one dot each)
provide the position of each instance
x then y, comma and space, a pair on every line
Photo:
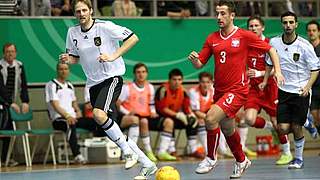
230, 57
102, 37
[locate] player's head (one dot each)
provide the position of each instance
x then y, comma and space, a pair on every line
256, 25
205, 81
289, 22
175, 78
225, 12
313, 30
62, 70
140, 72
9, 52
82, 10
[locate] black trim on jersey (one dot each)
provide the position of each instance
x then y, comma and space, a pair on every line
74, 55
315, 70
57, 85
128, 37
282, 37
89, 27
69, 85
269, 64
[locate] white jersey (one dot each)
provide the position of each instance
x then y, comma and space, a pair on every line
195, 97
297, 60
64, 94
102, 37
124, 95
86, 94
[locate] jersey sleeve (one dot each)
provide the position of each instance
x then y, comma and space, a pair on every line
254, 41
311, 58
205, 52
268, 59
86, 94
194, 101
51, 93
117, 32
124, 93
71, 44
152, 94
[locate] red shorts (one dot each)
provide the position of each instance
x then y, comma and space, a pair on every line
231, 102
266, 99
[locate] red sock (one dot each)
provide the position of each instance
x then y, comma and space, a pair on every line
213, 137
259, 123
283, 139
235, 146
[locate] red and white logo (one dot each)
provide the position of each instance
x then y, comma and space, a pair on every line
235, 42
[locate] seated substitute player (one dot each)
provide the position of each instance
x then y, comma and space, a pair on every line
173, 106
136, 106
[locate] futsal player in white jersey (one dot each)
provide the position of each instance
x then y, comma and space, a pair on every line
300, 67
95, 45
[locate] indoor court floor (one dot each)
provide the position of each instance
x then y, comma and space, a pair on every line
262, 168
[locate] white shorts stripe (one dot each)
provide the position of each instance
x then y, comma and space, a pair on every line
110, 94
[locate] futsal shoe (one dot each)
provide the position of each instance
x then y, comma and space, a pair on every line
284, 159
296, 164
166, 157
249, 152
146, 172
79, 159
151, 156
239, 168
206, 165
131, 160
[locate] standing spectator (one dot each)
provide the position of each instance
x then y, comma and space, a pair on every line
300, 67
15, 84
230, 46
61, 8
124, 8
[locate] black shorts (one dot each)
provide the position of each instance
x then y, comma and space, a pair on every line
315, 98
292, 108
105, 95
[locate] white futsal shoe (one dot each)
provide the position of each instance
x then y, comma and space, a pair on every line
239, 168
206, 165
146, 172
131, 160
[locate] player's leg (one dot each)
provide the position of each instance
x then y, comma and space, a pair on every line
145, 137
165, 139
202, 133
132, 123
192, 142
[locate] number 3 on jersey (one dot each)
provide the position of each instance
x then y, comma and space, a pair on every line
228, 100
223, 58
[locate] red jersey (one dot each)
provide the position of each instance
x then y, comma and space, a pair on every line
256, 60
230, 56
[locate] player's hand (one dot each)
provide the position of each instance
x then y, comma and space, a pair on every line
64, 58
279, 78
154, 115
15, 107
253, 73
25, 107
262, 86
182, 117
106, 57
305, 91
193, 56
71, 120
192, 120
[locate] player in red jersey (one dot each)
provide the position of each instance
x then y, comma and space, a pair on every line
267, 98
230, 48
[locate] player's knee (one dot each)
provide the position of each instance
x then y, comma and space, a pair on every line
134, 120
211, 119
168, 124
201, 122
99, 115
283, 130
249, 120
227, 131
144, 122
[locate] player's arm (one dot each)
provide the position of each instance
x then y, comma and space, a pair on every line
76, 109
276, 66
313, 77
127, 44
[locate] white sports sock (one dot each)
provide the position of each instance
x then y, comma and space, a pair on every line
222, 143
286, 148
243, 132
299, 145
172, 146
268, 125
192, 143
146, 143
143, 159
133, 132
114, 133
202, 133
165, 139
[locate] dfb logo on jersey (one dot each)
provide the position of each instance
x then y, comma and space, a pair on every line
235, 42
97, 41
296, 56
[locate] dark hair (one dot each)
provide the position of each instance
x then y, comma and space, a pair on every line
313, 22
175, 72
255, 18
87, 2
289, 13
6, 45
229, 4
60, 63
205, 74
139, 65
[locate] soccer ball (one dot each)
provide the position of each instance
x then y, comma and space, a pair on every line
167, 173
